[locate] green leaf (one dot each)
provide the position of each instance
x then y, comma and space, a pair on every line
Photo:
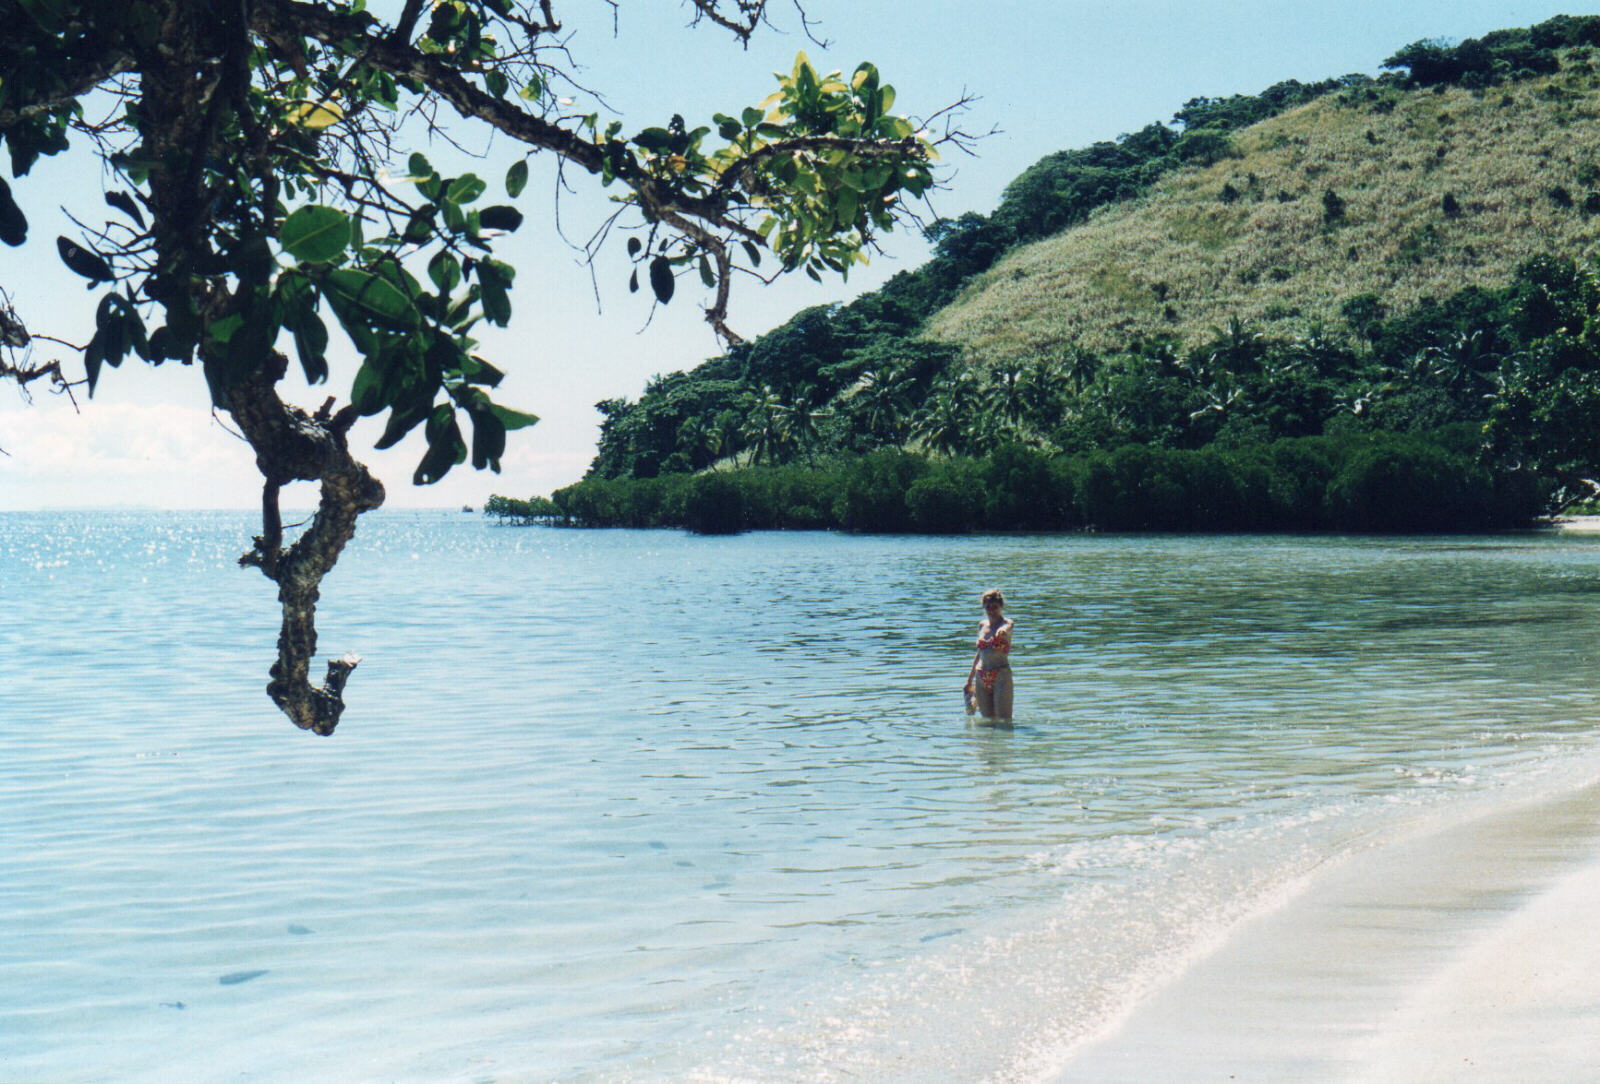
488, 440
517, 178
500, 217
845, 209
111, 330
446, 447
164, 345
404, 418
374, 297
657, 140
366, 391
419, 166
419, 228
445, 271
661, 280
454, 217
82, 261
13, 223
124, 203
297, 308
315, 115
497, 83
494, 277
894, 127
464, 189
252, 343
513, 419
705, 273
220, 332
474, 370
315, 234
93, 356
311, 344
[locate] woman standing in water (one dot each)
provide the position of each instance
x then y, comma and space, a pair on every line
989, 681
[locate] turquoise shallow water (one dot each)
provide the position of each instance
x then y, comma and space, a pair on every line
638, 805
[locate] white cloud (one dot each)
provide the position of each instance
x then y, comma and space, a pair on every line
177, 455
164, 455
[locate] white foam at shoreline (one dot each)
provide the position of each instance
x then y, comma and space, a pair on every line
1467, 949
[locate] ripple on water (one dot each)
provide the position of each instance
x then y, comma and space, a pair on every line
635, 804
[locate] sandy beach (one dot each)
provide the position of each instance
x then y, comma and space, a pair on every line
1463, 952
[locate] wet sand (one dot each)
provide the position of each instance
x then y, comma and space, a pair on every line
1468, 951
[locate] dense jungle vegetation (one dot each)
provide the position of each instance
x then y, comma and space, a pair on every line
1353, 304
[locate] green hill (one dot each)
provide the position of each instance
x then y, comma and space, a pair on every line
1362, 303
1378, 192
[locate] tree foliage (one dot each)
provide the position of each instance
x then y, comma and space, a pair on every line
245, 145
829, 348
1513, 365
1496, 57
1356, 481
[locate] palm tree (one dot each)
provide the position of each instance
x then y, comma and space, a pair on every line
951, 420
801, 420
693, 440
1323, 353
722, 436
1007, 393
765, 431
1080, 367
777, 427
1045, 397
1465, 364
878, 404
1237, 349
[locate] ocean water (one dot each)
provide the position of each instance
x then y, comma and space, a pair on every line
615, 805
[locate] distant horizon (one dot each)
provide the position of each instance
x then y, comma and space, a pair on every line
287, 510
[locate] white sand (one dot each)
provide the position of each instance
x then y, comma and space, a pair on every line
1468, 952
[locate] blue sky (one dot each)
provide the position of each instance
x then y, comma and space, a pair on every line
1046, 76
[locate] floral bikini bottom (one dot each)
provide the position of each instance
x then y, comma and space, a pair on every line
988, 677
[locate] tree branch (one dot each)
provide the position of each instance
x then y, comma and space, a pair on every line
78, 74
291, 444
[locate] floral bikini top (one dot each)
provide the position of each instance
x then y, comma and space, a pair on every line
1000, 641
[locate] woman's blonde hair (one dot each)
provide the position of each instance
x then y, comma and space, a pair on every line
993, 595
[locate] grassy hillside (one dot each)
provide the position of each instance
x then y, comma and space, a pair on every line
1346, 303
1397, 195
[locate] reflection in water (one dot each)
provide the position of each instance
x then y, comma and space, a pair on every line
646, 843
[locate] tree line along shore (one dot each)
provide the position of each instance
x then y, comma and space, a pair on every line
1366, 482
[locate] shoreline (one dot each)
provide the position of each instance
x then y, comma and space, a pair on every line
1459, 950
